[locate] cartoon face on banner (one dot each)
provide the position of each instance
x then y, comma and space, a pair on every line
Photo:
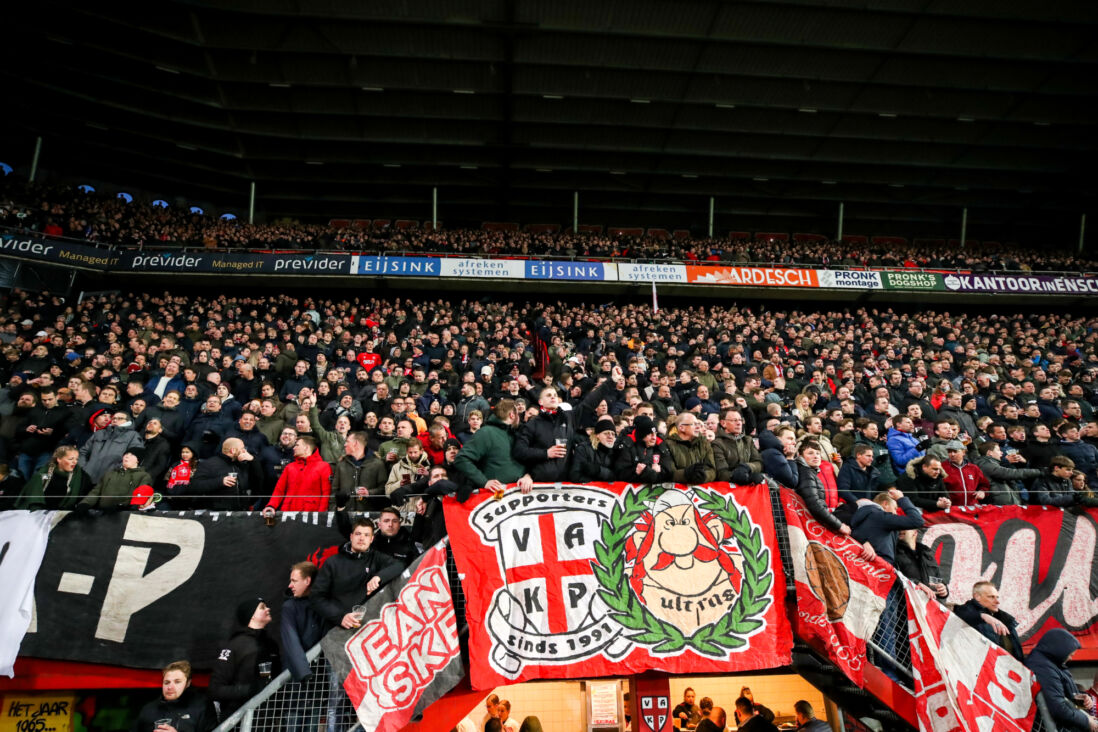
589, 572
683, 569
655, 713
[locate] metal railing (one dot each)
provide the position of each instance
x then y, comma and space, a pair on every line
285, 705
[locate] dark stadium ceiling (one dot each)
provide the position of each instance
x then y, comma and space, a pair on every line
905, 110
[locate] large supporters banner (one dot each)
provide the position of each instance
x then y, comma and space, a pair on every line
752, 276
1042, 560
840, 596
139, 590
406, 655
574, 581
962, 680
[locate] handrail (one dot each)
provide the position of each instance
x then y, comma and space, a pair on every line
977, 269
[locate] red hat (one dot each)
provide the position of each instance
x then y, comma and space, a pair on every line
141, 495
94, 416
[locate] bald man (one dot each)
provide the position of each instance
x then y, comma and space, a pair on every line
224, 481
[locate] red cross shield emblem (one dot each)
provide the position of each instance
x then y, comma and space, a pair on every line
654, 713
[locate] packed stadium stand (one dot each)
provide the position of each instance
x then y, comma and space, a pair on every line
491, 365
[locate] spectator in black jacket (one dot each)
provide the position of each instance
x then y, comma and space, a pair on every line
982, 613
1004, 482
225, 481
429, 525
187, 709
46, 424
1048, 661
779, 452
593, 459
878, 523
923, 482
394, 539
916, 561
247, 663
248, 432
158, 452
1054, 489
858, 478
351, 576
542, 443
301, 628
642, 455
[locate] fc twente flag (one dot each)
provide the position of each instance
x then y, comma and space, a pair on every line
406, 655
840, 596
964, 682
573, 581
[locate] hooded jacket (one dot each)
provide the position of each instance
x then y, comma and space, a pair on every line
923, 491
775, 463
1048, 661
305, 485
903, 447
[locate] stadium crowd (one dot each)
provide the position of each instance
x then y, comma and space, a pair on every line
68, 212
143, 402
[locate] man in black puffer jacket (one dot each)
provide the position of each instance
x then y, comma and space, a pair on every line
594, 461
352, 575
187, 708
543, 444
237, 673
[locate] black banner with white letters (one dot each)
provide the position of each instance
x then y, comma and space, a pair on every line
138, 590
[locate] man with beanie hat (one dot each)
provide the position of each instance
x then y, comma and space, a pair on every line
593, 459
248, 662
643, 457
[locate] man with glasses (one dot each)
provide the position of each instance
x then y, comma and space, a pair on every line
737, 459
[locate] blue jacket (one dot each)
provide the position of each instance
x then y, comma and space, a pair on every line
903, 447
301, 628
1048, 661
878, 527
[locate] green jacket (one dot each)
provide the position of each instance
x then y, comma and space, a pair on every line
331, 443
730, 452
32, 498
685, 453
487, 455
115, 489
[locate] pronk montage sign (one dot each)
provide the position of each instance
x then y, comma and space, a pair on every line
608, 579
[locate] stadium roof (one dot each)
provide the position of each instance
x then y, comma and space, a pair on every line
907, 110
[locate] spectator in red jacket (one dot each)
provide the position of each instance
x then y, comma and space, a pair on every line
305, 484
967, 485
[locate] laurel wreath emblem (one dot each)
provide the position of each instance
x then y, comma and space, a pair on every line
712, 639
